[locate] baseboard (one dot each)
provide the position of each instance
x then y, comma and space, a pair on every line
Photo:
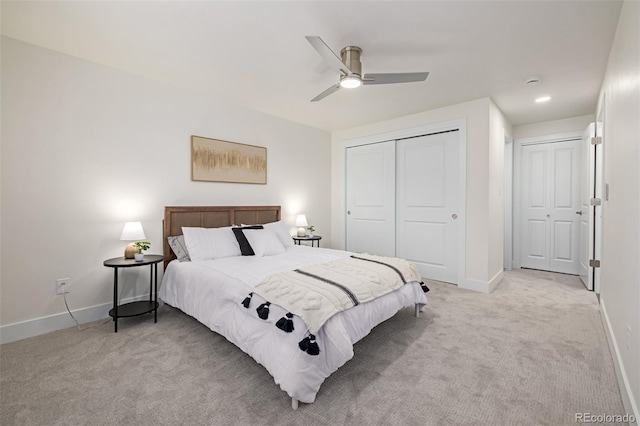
628, 399
38, 326
474, 285
481, 286
493, 283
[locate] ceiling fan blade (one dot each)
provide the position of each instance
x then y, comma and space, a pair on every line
326, 93
328, 55
392, 78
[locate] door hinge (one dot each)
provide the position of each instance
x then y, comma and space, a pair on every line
594, 263
595, 202
596, 140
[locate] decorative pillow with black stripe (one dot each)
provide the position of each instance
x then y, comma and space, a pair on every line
264, 242
245, 247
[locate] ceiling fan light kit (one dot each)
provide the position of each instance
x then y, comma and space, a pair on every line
350, 56
349, 67
350, 81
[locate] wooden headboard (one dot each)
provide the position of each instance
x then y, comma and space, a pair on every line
211, 217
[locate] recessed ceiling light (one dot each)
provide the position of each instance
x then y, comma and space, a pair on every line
543, 99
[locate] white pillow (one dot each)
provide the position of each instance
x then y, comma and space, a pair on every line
263, 242
210, 243
281, 231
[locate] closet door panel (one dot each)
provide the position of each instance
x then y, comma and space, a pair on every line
427, 198
414, 246
565, 229
370, 215
535, 207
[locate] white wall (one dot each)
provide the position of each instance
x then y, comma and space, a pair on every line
546, 128
620, 272
86, 148
499, 128
480, 148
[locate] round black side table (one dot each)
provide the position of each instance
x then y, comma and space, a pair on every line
133, 309
315, 240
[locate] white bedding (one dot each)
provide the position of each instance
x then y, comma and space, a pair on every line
212, 291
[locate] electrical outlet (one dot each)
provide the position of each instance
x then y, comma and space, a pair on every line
63, 285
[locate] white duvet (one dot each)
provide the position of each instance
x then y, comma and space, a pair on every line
212, 291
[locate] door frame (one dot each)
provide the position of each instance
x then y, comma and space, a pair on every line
588, 160
461, 127
602, 192
508, 203
517, 181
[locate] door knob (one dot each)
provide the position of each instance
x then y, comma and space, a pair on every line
348, 211
579, 212
454, 216
548, 215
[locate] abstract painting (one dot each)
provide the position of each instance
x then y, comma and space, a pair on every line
215, 160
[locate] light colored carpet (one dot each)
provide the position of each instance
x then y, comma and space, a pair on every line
532, 352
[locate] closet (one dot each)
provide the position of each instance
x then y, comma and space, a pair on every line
403, 199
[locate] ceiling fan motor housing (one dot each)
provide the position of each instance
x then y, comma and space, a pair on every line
350, 56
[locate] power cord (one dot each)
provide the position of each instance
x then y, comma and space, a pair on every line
106, 320
64, 295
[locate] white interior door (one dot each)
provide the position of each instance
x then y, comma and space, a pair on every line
587, 192
535, 207
370, 192
550, 197
427, 204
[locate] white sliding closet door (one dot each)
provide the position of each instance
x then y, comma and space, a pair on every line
427, 204
371, 186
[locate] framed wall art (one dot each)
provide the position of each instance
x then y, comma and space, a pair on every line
214, 160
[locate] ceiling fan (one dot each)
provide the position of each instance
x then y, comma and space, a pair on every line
350, 69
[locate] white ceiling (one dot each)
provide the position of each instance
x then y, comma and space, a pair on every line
254, 54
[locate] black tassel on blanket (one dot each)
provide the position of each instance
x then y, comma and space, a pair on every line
309, 345
263, 310
247, 300
286, 323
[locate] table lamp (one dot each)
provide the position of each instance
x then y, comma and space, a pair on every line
132, 232
301, 221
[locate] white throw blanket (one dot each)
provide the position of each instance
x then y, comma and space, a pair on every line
316, 293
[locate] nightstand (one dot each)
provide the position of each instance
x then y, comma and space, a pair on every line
315, 240
133, 309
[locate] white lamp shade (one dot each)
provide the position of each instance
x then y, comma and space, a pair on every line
132, 232
301, 220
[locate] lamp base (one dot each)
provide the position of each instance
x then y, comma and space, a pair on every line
130, 251
302, 232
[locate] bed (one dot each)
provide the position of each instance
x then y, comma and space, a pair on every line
228, 295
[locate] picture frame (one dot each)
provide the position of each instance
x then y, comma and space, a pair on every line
216, 160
